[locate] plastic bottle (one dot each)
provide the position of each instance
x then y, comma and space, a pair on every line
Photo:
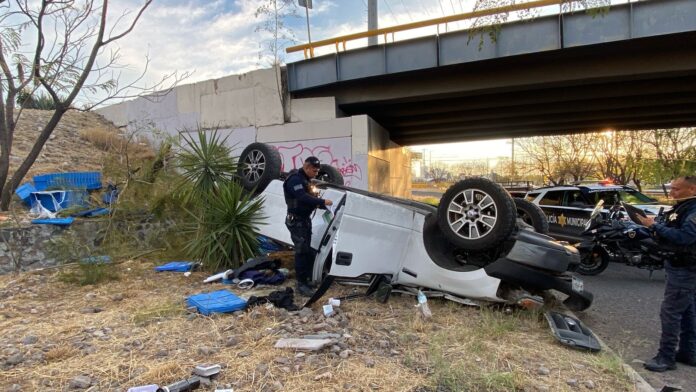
423, 305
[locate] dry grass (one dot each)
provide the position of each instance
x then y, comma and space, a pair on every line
109, 141
147, 338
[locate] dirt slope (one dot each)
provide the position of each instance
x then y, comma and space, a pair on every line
65, 151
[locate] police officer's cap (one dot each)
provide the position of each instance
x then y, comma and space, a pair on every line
314, 161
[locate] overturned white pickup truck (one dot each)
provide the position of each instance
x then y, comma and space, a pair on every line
473, 246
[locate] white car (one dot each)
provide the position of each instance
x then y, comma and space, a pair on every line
472, 246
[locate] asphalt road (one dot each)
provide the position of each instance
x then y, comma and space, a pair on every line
625, 315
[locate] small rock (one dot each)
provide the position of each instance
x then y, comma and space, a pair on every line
369, 362
335, 348
30, 339
244, 354
232, 341
191, 316
276, 385
345, 353
572, 382
306, 312
15, 359
33, 311
117, 297
323, 376
285, 369
91, 309
14, 388
543, 388
90, 296
300, 355
204, 350
542, 371
282, 360
589, 384
161, 353
262, 368
383, 343
80, 382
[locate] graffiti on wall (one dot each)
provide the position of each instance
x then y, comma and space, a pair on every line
336, 154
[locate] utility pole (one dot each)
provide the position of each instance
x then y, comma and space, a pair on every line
372, 21
307, 4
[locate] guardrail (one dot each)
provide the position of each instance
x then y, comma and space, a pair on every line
308, 48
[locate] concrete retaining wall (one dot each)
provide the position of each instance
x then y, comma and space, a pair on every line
247, 108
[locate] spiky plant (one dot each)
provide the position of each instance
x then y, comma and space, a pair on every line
205, 163
226, 228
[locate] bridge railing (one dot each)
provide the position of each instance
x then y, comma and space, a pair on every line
308, 48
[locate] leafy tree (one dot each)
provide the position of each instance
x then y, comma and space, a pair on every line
70, 55
674, 152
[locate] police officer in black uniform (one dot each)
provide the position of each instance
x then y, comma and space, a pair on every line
301, 203
677, 232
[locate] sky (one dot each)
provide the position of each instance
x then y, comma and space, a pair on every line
216, 38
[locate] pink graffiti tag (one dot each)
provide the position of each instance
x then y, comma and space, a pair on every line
296, 155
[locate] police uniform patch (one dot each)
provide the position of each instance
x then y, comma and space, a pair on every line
297, 187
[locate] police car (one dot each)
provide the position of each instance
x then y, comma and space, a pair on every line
568, 207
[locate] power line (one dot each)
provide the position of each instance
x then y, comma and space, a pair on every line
441, 8
391, 12
407, 11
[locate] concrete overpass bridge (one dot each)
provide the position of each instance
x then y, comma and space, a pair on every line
632, 66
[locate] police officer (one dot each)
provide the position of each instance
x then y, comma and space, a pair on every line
677, 232
301, 203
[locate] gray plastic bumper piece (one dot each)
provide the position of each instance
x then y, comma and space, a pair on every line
572, 332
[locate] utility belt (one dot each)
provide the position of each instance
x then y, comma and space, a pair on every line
292, 217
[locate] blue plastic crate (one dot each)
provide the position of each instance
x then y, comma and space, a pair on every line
176, 266
54, 221
221, 301
59, 200
73, 180
24, 192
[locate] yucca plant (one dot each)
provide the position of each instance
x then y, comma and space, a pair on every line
205, 163
226, 215
226, 228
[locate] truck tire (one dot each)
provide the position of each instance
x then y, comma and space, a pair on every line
330, 174
532, 215
476, 214
259, 164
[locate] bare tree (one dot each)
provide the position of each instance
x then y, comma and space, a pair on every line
620, 155
273, 15
559, 158
68, 55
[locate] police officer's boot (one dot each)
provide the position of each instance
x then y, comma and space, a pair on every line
659, 364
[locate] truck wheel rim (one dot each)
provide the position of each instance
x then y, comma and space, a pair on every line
253, 165
472, 214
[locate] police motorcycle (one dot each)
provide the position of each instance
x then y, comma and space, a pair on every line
618, 236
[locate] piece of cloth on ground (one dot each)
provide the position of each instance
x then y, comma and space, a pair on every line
279, 298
